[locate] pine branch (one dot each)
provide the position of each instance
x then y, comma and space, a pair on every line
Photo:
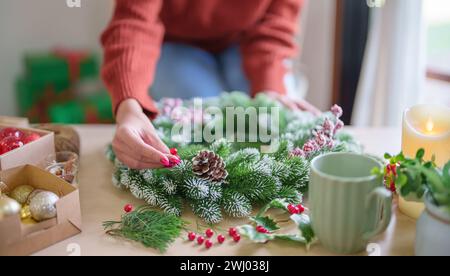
151, 228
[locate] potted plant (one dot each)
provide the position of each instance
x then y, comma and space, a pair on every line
419, 180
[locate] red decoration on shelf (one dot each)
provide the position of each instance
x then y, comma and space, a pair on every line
200, 240
192, 236
208, 244
128, 208
220, 238
209, 233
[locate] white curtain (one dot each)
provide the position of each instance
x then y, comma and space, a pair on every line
393, 72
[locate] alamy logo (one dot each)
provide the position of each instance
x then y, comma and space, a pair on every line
73, 3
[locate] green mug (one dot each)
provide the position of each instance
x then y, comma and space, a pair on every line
348, 204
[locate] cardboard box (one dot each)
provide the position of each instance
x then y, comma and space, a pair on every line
22, 239
14, 121
31, 153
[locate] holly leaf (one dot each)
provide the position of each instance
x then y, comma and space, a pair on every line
276, 203
250, 232
304, 225
266, 222
290, 237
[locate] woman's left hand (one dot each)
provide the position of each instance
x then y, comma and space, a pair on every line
293, 103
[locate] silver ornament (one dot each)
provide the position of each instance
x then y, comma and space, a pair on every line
8, 206
21, 193
43, 206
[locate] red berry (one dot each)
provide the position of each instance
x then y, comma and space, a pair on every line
261, 229
221, 238
200, 240
209, 233
292, 209
173, 151
191, 236
232, 231
30, 138
237, 238
10, 131
208, 244
10, 143
300, 208
128, 208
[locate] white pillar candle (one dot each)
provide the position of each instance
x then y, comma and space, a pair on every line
427, 127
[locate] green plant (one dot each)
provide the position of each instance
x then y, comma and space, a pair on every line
413, 178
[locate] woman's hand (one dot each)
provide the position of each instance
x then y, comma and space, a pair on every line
136, 142
294, 104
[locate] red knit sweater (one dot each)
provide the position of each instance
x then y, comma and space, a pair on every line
264, 29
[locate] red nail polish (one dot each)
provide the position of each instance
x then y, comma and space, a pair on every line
165, 162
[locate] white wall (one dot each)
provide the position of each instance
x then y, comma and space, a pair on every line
42, 24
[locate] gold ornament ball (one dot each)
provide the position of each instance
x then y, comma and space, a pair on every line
43, 206
21, 193
25, 212
8, 206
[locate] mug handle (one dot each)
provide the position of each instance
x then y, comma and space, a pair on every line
381, 199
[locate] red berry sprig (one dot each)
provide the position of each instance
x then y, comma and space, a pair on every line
209, 233
220, 239
262, 230
292, 209
128, 208
232, 231
191, 236
237, 238
200, 240
208, 244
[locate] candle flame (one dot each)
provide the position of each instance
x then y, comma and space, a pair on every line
430, 125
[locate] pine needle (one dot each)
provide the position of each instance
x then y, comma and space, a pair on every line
151, 228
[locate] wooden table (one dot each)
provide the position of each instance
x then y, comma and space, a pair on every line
101, 201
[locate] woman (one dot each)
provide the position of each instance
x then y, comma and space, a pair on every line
187, 48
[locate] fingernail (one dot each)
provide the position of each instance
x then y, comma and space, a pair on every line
173, 151
165, 162
175, 160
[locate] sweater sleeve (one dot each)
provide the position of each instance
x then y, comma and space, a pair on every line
267, 44
132, 44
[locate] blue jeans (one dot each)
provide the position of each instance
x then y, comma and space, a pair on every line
185, 72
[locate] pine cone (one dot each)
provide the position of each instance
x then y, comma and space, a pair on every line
208, 165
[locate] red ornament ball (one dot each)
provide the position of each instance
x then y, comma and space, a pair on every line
208, 244
200, 240
237, 238
10, 143
30, 138
220, 238
173, 151
11, 132
192, 236
128, 208
209, 233
232, 231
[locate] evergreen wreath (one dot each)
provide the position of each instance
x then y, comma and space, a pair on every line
230, 177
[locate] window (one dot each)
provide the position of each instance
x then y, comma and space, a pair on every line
437, 20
